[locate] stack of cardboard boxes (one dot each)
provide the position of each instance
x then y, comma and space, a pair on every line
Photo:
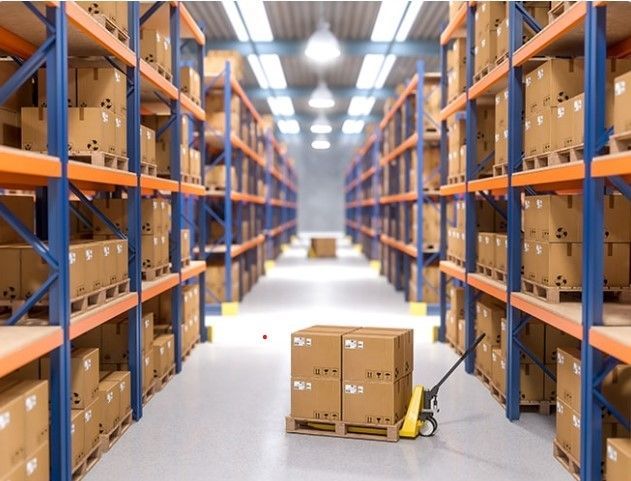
454, 322
215, 63
553, 236
24, 428
190, 84
431, 282
615, 388
357, 375
112, 12
216, 281
155, 49
456, 68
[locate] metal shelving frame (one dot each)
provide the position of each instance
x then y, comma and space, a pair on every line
603, 347
54, 178
368, 166
226, 209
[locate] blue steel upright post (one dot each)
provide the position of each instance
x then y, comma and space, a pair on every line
176, 197
420, 198
133, 211
592, 360
227, 98
269, 157
442, 289
58, 242
201, 201
470, 206
376, 208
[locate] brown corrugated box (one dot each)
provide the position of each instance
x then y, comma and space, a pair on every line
153, 48
500, 252
371, 355
34, 395
91, 416
489, 315
12, 435
316, 398
102, 87
622, 99
147, 145
618, 463
123, 378
23, 95
190, 82
375, 402
323, 247
569, 377
530, 377
25, 101
147, 370
215, 281
84, 373
10, 128
91, 129
461, 335
109, 402
317, 352
77, 435
163, 354
486, 249
37, 464
532, 336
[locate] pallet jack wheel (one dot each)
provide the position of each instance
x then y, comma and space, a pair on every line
428, 427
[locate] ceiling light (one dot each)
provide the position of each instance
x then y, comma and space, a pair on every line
359, 106
322, 46
255, 18
352, 126
321, 125
385, 71
273, 70
281, 106
321, 98
371, 66
388, 20
408, 20
256, 67
235, 19
288, 126
320, 143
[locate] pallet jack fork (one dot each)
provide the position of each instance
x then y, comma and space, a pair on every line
420, 417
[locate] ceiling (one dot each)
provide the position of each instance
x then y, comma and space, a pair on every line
350, 20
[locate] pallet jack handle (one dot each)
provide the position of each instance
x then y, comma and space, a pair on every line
433, 392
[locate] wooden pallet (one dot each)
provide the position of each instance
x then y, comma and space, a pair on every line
557, 157
153, 273
499, 275
455, 347
116, 290
500, 169
486, 379
86, 463
562, 294
215, 189
455, 260
109, 439
186, 262
189, 350
501, 58
483, 72
148, 394
456, 179
343, 429
147, 168
162, 70
545, 408
119, 33
567, 460
558, 10
162, 381
191, 179
101, 159
484, 270
620, 142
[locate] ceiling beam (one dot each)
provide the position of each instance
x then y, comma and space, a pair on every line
288, 48
338, 92
305, 118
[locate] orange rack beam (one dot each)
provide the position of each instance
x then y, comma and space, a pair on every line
21, 167
192, 189
405, 145
89, 175
246, 246
158, 81
363, 177
562, 176
497, 184
454, 25
236, 87
612, 340
544, 311
247, 150
241, 197
149, 182
192, 107
10, 42
453, 189
400, 246
399, 102
85, 322
151, 289
491, 287
485, 83
194, 269
613, 164
187, 20
452, 270
405, 197
454, 106
23, 344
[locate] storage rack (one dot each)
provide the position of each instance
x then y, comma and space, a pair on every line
604, 344
365, 217
277, 206
69, 29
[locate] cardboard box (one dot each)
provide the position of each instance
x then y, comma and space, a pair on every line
498, 369
456, 299
153, 48
23, 208
10, 128
91, 417
84, 375
109, 403
163, 354
553, 82
532, 336
23, 95
317, 352
123, 378
323, 247
34, 395
555, 340
12, 437
215, 63
486, 249
371, 355
316, 398
77, 435
93, 265
549, 385
147, 145
530, 377
91, 129
190, 82
215, 282
147, 370
568, 429
617, 389
37, 464
26, 101
34, 129
120, 135
559, 265
618, 463
483, 357
500, 252
375, 402
115, 342
489, 317
461, 335
553, 218
105, 88
569, 377
151, 251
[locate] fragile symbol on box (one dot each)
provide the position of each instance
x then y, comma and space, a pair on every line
353, 389
30, 402
612, 454
353, 344
577, 368
5, 420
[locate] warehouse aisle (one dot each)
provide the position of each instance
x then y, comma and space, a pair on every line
230, 401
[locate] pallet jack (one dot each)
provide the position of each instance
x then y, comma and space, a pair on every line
421, 420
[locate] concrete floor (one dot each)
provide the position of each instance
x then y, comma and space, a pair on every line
223, 416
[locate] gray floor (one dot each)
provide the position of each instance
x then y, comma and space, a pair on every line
223, 416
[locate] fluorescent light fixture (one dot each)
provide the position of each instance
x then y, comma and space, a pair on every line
288, 126
235, 19
274, 70
321, 98
385, 70
352, 126
408, 20
359, 106
371, 66
256, 67
322, 46
255, 18
321, 125
388, 19
282, 106
320, 143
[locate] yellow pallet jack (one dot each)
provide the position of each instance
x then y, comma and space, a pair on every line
420, 417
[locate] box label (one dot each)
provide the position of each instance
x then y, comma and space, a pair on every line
353, 344
302, 386
353, 389
612, 454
